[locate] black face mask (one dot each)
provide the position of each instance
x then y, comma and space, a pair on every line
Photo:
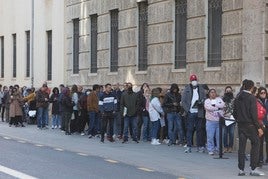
130, 89
229, 95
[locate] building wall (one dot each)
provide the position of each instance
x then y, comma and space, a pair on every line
16, 17
243, 29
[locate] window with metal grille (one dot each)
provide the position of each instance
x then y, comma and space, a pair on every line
49, 55
94, 37
75, 46
143, 36
180, 33
14, 55
214, 32
28, 47
2, 57
114, 41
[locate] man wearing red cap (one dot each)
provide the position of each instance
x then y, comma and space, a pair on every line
193, 98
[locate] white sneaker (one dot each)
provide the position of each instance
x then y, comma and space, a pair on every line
256, 172
52, 127
55, 127
59, 127
154, 142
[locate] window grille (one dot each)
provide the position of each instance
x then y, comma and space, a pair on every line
180, 33
143, 36
94, 40
214, 32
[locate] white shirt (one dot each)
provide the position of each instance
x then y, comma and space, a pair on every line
194, 99
155, 109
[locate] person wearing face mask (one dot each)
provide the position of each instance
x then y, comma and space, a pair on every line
193, 98
228, 131
128, 106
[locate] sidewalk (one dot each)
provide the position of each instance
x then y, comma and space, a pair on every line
161, 158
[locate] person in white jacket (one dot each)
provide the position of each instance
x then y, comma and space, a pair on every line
214, 110
156, 113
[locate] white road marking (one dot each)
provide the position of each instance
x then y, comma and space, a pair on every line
7, 138
82, 154
111, 161
15, 173
58, 149
21, 141
146, 169
38, 145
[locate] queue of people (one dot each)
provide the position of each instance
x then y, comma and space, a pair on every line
188, 118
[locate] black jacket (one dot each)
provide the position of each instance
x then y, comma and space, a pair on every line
245, 109
169, 100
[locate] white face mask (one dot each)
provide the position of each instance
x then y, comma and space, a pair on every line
194, 83
88, 92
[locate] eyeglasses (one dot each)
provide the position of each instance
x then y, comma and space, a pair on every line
263, 92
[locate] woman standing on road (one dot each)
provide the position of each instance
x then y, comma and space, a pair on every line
214, 109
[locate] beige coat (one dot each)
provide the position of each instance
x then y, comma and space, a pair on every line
15, 105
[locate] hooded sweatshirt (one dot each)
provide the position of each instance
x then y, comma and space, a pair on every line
245, 109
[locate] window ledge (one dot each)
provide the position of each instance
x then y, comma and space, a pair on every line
212, 69
178, 70
112, 73
141, 72
74, 75
92, 74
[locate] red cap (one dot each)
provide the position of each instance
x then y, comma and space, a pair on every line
193, 78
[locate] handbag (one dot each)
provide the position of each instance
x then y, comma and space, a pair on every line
261, 111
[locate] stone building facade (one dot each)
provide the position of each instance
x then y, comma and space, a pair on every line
241, 38
16, 52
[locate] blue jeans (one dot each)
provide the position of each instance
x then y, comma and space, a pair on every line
56, 120
174, 126
212, 128
194, 122
41, 116
155, 128
93, 119
228, 136
146, 129
117, 123
134, 122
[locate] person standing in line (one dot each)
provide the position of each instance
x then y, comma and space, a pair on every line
67, 109
108, 106
42, 103
156, 113
5, 92
129, 105
118, 119
1, 99
93, 110
54, 99
193, 98
214, 110
245, 113
262, 99
61, 87
228, 131
74, 93
15, 111
172, 108
143, 115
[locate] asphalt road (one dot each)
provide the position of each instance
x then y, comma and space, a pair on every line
41, 161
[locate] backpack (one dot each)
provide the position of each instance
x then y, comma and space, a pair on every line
261, 111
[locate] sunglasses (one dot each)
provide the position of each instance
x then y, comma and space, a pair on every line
263, 92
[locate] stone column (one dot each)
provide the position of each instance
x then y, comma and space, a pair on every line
253, 41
